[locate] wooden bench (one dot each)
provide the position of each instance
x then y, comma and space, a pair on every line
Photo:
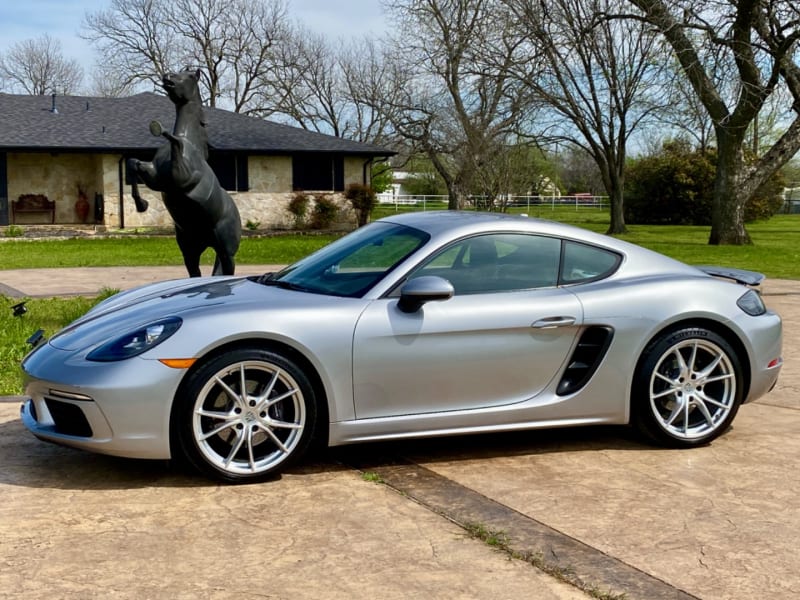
33, 203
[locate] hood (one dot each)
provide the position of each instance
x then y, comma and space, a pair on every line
135, 308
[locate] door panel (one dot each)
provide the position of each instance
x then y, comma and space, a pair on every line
469, 352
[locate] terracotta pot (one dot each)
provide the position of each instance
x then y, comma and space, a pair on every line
82, 208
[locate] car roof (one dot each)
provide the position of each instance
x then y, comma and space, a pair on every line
457, 223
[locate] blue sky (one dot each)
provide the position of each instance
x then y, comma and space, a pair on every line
24, 19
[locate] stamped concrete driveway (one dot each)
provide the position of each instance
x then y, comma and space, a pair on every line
594, 505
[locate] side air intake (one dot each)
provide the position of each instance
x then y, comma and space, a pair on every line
591, 349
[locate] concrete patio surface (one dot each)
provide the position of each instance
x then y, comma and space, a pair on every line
718, 522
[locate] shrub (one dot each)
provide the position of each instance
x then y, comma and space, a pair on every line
363, 199
298, 206
676, 187
13, 231
768, 199
252, 225
324, 213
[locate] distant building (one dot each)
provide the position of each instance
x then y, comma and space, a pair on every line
52, 146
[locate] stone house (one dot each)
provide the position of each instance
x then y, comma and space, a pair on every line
61, 147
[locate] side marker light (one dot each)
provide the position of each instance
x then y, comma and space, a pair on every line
178, 363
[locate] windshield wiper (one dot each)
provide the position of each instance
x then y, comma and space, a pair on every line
284, 285
263, 278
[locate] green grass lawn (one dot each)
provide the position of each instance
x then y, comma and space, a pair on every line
775, 252
50, 314
136, 250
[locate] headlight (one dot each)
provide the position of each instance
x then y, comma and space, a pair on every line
752, 304
135, 342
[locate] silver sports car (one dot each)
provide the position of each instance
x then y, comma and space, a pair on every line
424, 324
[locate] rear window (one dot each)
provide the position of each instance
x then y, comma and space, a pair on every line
583, 263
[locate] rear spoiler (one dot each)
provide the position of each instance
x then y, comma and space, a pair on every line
737, 275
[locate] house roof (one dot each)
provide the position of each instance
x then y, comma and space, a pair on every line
91, 124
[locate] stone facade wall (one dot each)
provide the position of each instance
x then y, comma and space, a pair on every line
269, 174
58, 176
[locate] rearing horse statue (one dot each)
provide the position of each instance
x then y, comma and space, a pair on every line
205, 216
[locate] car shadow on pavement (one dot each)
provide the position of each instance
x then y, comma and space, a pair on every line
28, 462
492, 445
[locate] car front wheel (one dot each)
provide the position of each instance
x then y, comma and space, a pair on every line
245, 415
688, 388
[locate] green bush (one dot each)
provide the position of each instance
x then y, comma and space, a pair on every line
298, 206
324, 213
381, 176
768, 199
363, 199
13, 231
676, 187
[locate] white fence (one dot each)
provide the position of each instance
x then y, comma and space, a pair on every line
577, 201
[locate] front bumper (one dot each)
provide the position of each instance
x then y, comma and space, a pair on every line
121, 408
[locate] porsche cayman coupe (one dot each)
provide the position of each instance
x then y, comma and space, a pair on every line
425, 324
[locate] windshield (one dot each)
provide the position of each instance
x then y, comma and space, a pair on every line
353, 264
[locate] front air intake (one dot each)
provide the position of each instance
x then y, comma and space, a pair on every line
68, 418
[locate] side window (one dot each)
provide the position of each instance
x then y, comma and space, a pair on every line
584, 263
496, 263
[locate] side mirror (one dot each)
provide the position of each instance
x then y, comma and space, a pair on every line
418, 291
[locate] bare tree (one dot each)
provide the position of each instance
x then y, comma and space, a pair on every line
457, 101
333, 87
598, 80
133, 40
368, 75
684, 116
759, 38
514, 170
106, 82
308, 87
38, 67
232, 42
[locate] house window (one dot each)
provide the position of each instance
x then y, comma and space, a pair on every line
318, 172
231, 170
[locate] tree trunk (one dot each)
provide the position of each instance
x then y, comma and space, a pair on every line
456, 198
614, 183
727, 207
452, 199
617, 222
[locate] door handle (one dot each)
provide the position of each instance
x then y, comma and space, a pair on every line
553, 322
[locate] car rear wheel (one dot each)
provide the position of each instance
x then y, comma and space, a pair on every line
245, 415
688, 388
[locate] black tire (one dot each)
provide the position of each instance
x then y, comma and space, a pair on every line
687, 389
242, 438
